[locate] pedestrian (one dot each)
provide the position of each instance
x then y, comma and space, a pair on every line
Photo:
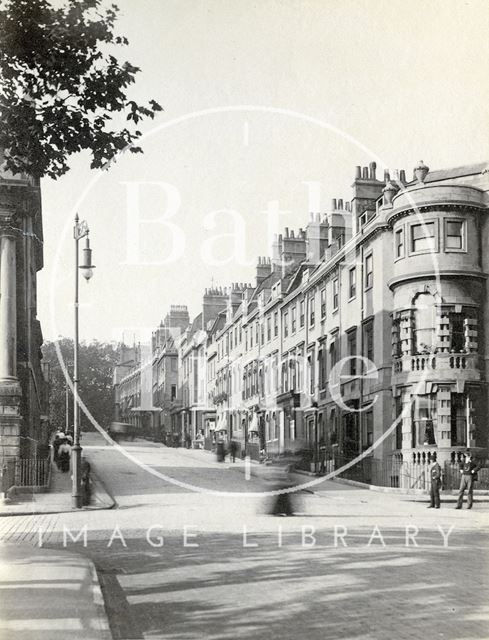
233, 448
58, 439
435, 486
469, 470
282, 504
64, 455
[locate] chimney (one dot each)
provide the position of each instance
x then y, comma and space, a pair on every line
372, 169
263, 270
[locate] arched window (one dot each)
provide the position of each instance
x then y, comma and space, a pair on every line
425, 323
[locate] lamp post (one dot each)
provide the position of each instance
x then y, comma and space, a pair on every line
80, 231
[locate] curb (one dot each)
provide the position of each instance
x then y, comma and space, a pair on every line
98, 599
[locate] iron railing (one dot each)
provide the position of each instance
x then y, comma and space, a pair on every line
393, 472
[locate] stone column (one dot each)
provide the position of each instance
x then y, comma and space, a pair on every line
10, 390
8, 309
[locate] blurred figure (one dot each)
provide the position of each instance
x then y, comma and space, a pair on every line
283, 503
64, 455
221, 450
58, 439
233, 448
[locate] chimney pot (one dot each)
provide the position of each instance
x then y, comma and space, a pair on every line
365, 173
333, 204
292, 233
402, 176
358, 173
373, 169
340, 204
387, 176
286, 232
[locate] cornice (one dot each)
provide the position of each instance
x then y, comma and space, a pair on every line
422, 275
396, 214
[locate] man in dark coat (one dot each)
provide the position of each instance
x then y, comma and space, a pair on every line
435, 477
469, 470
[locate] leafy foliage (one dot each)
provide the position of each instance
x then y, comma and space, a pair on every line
95, 366
60, 86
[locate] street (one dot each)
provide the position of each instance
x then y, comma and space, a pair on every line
177, 563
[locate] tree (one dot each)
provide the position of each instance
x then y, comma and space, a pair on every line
60, 86
95, 366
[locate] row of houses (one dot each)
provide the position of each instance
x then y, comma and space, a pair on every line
362, 334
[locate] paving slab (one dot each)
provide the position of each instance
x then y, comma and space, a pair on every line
49, 595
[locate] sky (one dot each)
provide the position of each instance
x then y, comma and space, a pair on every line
268, 108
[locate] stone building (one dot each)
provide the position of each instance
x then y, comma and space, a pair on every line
363, 334
146, 378
24, 429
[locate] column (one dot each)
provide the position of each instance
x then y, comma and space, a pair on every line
8, 309
10, 390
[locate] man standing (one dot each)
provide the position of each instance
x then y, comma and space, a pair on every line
435, 476
468, 469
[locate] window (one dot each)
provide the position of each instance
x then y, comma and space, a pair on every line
335, 293
352, 282
400, 243
275, 324
333, 354
323, 303
251, 337
286, 323
312, 315
173, 391
246, 339
293, 322
352, 351
262, 331
424, 332
457, 333
301, 313
231, 341
454, 234
257, 332
311, 372
321, 379
368, 341
269, 328
458, 420
423, 410
423, 237
369, 271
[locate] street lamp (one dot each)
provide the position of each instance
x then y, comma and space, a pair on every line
80, 231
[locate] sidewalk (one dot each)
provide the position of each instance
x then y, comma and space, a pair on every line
57, 499
49, 595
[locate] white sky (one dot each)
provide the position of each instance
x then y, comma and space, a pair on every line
404, 80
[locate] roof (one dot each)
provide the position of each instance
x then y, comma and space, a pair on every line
456, 172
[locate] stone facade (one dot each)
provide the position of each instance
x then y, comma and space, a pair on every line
24, 429
363, 334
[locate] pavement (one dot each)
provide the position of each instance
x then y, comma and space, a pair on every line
57, 499
49, 595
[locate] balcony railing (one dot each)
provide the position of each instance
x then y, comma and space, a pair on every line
438, 362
